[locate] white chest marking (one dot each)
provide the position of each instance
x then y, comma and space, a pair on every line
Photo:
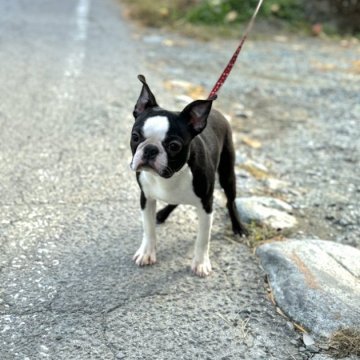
176, 190
156, 127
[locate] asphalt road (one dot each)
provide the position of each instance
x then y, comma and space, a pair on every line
70, 222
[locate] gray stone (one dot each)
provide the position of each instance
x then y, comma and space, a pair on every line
272, 203
312, 348
266, 211
290, 325
308, 340
315, 282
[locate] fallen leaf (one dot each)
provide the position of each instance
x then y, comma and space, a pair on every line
279, 311
270, 296
355, 66
275, 8
255, 144
231, 16
281, 38
299, 327
196, 92
164, 11
168, 42
323, 66
258, 171
177, 84
190, 89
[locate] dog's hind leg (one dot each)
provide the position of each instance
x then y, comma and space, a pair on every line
227, 180
163, 214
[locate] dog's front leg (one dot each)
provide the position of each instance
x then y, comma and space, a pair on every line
146, 254
201, 263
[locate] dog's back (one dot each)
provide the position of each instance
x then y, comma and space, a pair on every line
213, 139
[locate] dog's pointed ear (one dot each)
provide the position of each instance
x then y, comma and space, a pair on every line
146, 99
196, 114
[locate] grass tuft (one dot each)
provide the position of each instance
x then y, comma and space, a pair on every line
208, 19
345, 342
261, 234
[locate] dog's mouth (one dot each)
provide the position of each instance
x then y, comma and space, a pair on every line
150, 167
147, 167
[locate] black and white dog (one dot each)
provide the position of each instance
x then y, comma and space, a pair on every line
176, 156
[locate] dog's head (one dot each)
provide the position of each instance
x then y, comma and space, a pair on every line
160, 139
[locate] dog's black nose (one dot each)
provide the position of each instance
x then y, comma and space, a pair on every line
150, 152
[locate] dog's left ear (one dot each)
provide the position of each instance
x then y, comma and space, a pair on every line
196, 114
146, 99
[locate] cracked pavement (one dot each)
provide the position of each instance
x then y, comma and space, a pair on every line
70, 219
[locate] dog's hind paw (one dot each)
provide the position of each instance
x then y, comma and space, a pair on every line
201, 268
240, 230
143, 258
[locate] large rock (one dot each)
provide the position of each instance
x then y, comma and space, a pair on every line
328, 357
315, 282
266, 211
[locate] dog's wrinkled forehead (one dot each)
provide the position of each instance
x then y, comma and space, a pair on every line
156, 127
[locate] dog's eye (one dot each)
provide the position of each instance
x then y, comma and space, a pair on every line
135, 137
174, 146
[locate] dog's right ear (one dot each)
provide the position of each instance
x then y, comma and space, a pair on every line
146, 99
196, 114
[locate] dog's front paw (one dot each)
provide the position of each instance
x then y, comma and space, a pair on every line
144, 257
202, 267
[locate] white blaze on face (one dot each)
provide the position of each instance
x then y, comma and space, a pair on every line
154, 130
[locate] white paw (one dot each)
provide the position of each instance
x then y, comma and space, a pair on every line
201, 268
144, 257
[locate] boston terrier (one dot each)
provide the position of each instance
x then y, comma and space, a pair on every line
176, 156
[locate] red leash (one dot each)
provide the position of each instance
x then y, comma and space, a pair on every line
232, 61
